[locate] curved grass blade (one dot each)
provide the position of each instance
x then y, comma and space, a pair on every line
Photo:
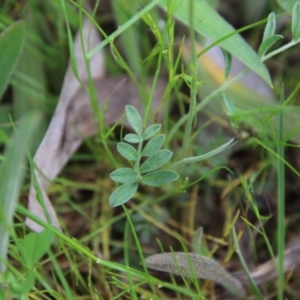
12, 172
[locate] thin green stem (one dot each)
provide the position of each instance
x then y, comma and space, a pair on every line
276, 154
193, 68
279, 50
73, 243
280, 204
153, 87
139, 248
204, 102
127, 247
244, 264
62, 278
123, 27
138, 161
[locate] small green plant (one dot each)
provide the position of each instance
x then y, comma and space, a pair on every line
32, 248
143, 172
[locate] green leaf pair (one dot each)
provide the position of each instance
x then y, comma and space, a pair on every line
33, 247
146, 172
270, 38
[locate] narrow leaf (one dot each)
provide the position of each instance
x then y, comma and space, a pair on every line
158, 178
153, 145
124, 175
156, 160
270, 27
268, 43
229, 106
11, 44
151, 131
127, 151
132, 138
12, 172
134, 119
228, 62
229, 109
197, 240
122, 194
190, 265
296, 22
218, 150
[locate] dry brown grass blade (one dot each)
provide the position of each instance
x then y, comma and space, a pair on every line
267, 271
50, 156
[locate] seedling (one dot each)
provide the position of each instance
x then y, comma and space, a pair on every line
143, 172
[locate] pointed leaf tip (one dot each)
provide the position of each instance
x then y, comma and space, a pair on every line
134, 119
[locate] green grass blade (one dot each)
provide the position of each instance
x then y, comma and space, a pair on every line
239, 252
11, 44
280, 203
129, 38
123, 27
11, 176
60, 275
194, 79
208, 23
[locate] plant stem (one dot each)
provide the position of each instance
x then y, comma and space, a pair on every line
138, 161
193, 68
244, 264
280, 204
123, 27
279, 50
204, 102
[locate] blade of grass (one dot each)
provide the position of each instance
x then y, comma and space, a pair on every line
76, 246
57, 268
11, 44
195, 159
123, 27
133, 294
244, 264
277, 156
193, 68
139, 249
203, 103
122, 11
280, 203
12, 172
